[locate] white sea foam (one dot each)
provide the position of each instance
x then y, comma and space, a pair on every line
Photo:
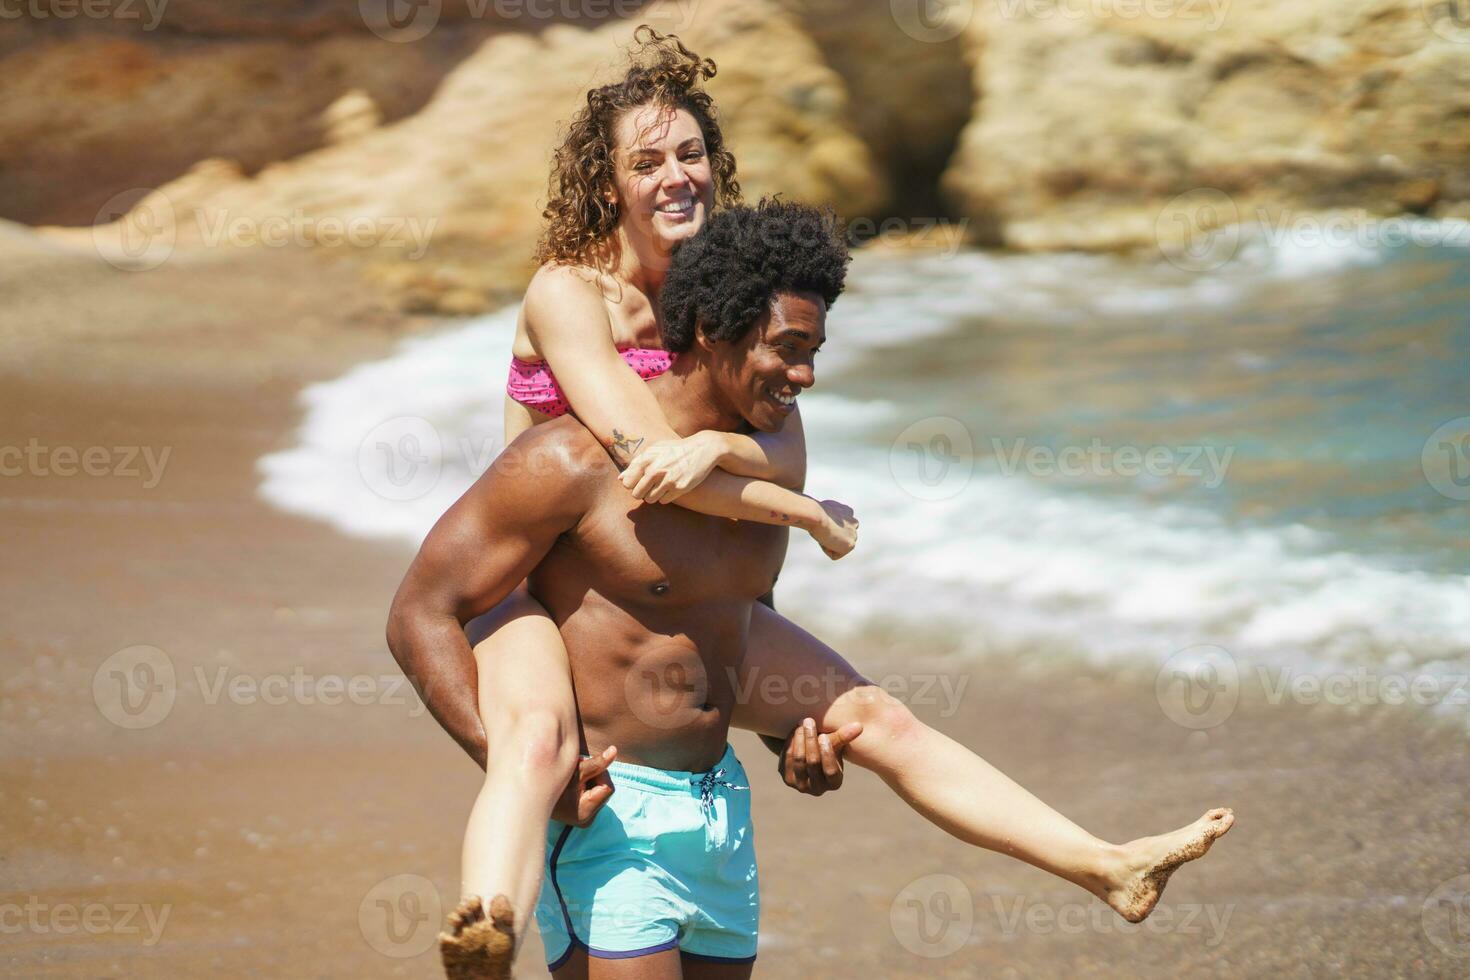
1009, 564
433, 409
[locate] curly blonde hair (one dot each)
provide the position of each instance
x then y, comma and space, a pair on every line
663, 72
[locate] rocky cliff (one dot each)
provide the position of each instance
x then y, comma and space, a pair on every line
1043, 124
1086, 125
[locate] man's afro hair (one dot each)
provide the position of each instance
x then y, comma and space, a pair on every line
725, 276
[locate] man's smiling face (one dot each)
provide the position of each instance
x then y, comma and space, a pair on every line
762, 373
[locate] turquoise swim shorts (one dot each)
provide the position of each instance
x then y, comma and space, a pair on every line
669, 862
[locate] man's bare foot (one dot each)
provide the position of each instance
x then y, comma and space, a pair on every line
1149, 861
477, 947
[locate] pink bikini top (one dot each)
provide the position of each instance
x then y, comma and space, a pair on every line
532, 384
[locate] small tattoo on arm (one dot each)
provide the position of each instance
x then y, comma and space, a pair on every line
785, 518
625, 447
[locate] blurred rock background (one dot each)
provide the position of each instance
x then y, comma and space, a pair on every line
1030, 124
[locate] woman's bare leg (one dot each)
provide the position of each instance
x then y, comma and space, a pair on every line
530, 716
948, 784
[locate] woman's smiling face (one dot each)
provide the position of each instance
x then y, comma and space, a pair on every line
664, 186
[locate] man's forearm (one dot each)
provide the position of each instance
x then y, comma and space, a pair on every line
433, 651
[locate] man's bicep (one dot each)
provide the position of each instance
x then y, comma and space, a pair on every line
489, 540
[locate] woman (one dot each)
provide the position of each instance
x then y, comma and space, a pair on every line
642, 166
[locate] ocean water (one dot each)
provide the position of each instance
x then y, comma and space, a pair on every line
1062, 455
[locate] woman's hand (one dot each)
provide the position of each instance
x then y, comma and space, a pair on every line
837, 534
664, 471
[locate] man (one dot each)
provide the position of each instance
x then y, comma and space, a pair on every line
654, 604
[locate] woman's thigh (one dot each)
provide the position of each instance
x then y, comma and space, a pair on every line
522, 662
788, 675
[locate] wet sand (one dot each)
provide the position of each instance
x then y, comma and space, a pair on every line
295, 814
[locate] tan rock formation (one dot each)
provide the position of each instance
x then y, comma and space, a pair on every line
909, 85
1093, 115
448, 200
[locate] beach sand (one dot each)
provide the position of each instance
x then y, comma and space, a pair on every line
295, 814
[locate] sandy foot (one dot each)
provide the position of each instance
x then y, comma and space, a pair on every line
476, 947
1151, 860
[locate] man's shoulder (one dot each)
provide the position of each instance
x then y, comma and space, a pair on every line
561, 451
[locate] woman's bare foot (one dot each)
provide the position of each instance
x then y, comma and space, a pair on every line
477, 947
1149, 861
